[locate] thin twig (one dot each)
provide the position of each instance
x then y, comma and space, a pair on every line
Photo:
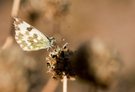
14, 12
65, 84
7, 43
15, 8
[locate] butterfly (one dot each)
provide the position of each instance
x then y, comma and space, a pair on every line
29, 38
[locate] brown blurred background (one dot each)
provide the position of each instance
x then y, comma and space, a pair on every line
112, 21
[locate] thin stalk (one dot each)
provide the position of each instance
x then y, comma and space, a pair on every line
15, 8
65, 84
14, 13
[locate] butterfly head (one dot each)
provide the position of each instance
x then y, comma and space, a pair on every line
52, 41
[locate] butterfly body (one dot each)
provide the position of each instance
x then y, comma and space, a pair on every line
29, 38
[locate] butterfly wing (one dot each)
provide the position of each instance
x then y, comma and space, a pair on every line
28, 37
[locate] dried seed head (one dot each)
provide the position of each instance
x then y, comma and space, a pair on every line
59, 63
97, 63
19, 72
56, 8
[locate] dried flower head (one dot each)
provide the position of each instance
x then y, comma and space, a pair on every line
56, 8
99, 64
19, 72
59, 63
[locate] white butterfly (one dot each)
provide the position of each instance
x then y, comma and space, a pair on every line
29, 38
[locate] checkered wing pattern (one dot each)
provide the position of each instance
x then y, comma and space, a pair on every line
29, 38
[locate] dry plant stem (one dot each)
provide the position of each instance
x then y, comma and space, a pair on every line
14, 12
51, 86
65, 84
15, 8
7, 43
